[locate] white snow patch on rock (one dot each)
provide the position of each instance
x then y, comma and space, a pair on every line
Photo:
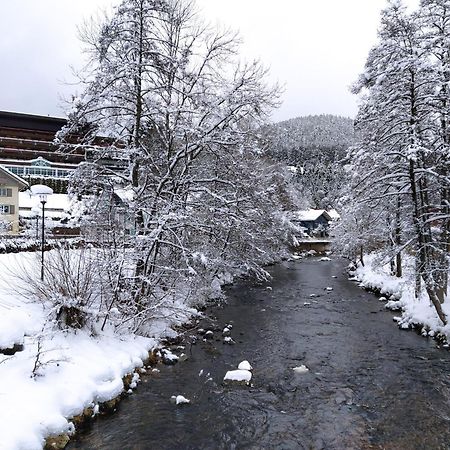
238, 375
180, 400
301, 369
245, 365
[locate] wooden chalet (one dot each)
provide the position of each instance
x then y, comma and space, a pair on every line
27, 148
312, 220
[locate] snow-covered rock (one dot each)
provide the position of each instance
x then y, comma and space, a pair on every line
301, 369
245, 365
168, 357
240, 376
180, 400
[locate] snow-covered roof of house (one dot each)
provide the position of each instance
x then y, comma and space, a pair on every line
309, 215
334, 214
20, 181
126, 195
57, 205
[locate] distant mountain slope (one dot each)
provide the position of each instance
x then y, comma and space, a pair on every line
297, 140
316, 145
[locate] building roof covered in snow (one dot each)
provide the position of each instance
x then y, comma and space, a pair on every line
334, 214
20, 182
310, 215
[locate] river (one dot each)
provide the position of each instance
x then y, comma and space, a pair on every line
370, 385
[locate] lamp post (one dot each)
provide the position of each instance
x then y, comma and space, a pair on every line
42, 192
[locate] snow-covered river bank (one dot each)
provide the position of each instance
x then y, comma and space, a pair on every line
56, 376
369, 384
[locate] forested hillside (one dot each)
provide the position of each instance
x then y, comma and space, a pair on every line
316, 146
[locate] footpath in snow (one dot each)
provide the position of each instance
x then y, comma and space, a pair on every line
399, 295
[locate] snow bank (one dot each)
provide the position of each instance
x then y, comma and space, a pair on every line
77, 372
58, 374
415, 312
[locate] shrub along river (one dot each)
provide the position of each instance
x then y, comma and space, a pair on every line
370, 385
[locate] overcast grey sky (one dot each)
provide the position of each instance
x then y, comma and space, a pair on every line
315, 48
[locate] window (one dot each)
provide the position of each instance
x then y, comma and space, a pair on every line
5, 192
7, 209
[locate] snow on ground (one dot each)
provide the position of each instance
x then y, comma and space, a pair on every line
400, 292
72, 372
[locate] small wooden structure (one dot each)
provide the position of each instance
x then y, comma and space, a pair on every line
312, 220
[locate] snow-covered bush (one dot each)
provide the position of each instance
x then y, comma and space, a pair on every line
74, 289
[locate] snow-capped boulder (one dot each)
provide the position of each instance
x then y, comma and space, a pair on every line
180, 400
245, 365
301, 369
239, 376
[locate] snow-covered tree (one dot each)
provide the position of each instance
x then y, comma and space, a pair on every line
179, 114
402, 144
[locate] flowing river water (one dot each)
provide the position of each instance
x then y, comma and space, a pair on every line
370, 385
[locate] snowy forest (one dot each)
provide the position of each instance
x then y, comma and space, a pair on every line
398, 198
316, 146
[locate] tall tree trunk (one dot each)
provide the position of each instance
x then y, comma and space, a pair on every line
423, 269
398, 239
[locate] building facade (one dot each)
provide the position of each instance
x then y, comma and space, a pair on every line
10, 186
27, 148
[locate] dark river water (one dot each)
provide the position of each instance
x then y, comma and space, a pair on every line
370, 385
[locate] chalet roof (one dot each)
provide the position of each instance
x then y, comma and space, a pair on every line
20, 181
334, 214
31, 122
310, 215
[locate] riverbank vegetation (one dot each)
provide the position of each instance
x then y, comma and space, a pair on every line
399, 190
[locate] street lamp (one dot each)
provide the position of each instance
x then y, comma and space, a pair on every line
42, 192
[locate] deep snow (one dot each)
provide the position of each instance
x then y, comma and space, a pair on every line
74, 370
399, 295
